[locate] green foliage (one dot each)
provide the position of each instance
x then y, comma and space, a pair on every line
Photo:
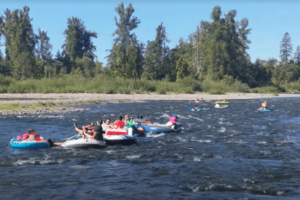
223, 44
228, 84
267, 89
20, 42
182, 67
291, 87
285, 72
286, 47
126, 56
297, 56
156, 56
78, 42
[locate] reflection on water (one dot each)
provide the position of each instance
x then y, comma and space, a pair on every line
232, 153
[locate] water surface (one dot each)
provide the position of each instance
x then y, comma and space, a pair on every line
231, 153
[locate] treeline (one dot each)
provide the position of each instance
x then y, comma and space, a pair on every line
215, 53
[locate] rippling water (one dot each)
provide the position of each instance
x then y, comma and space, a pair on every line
231, 153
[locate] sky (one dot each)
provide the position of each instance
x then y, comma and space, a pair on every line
268, 20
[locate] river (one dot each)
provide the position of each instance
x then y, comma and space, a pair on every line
232, 153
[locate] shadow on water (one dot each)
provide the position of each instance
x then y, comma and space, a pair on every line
232, 153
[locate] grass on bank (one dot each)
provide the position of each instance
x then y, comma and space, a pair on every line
47, 105
18, 106
266, 90
103, 84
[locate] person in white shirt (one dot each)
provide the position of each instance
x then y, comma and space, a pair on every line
106, 125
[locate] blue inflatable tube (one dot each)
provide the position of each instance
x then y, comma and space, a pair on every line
28, 144
265, 110
162, 129
197, 110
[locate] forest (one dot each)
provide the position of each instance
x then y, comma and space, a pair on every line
212, 59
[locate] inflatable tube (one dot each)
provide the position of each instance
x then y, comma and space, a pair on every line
221, 102
162, 129
120, 136
29, 144
202, 109
225, 106
265, 110
80, 143
135, 131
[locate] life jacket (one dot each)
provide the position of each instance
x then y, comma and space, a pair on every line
26, 135
37, 137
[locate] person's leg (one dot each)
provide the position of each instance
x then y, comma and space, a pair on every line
81, 132
57, 144
52, 144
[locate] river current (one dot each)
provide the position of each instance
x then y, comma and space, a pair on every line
231, 153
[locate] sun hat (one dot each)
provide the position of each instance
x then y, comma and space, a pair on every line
173, 120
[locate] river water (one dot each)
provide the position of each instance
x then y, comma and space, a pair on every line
232, 153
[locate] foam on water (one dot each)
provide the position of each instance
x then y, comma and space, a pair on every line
79, 167
199, 119
38, 161
222, 130
236, 141
132, 157
262, 142
197, 159
153, 135
181, 139
193, 139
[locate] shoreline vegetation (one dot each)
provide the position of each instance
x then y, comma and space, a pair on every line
53, 103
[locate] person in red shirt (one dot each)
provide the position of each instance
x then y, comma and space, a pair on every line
118, 124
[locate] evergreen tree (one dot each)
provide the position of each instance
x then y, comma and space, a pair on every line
223, 46
123, 56
286, 48
182, 67
156, 55
197, 61
297, 56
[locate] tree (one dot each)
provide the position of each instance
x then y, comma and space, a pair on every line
43, 46
44, 56
197, 61
156, 55
124, 52
222, 45
182, 68
297, 56
78, 42
286, 72
286, 47
19, 42
86, 66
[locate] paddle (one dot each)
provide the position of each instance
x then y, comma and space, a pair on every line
71, 137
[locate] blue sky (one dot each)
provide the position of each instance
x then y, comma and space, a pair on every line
269, 20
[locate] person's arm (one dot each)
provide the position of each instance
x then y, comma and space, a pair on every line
88, 127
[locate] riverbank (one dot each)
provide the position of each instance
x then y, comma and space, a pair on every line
36, 103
